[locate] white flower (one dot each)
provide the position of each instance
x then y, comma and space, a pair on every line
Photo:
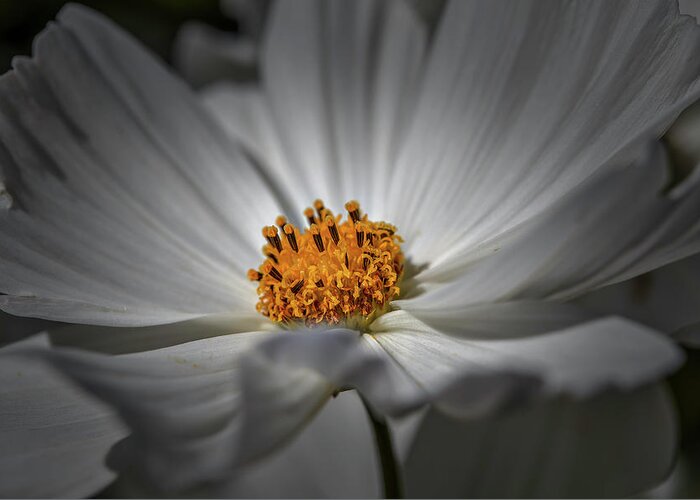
512, 151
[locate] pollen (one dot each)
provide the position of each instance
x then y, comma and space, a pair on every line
332, 271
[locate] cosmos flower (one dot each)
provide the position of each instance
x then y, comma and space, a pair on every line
502, 166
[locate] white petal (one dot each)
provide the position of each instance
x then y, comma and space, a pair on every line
611, 227
204, 54
128, 203
181, 404
54, 437
577, 360
124, 340
340, 77
244, 112
287, 378
333, 457
490, 321
614, 445
522, 102
199, 410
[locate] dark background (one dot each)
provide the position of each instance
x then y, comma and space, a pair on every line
154, 22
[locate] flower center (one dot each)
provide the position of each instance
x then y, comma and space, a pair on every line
333, 271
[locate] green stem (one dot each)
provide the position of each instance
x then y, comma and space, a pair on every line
385, 450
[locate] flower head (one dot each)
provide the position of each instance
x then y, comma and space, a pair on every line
333, 271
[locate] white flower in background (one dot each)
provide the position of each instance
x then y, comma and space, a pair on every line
204, 54
515, 152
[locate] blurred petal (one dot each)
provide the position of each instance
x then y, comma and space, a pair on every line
249, 14
124, 200
54, 437
578, 360
522, 102
341, 78
614, 445
429, 10
204, 54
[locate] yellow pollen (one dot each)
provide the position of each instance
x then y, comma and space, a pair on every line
333, 271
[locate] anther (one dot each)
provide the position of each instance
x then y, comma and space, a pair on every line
318, 205
272, 271
268, 252
281, 221
274, 238
359, 235
254, 275
366, 259
296, 287
316, 233
386, 229
266, 235
309, 214
353, 209
291, 237
332, 229
370, 238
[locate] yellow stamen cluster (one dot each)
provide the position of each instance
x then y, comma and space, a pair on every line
331, 271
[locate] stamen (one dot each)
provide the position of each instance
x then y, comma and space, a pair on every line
254, 275
309, 214
267, 251
318, 205
353, 209
268, 268
332, 229
316, 233
274, 238
291, 237
359, 234
281, 221
366, 259
297, 286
